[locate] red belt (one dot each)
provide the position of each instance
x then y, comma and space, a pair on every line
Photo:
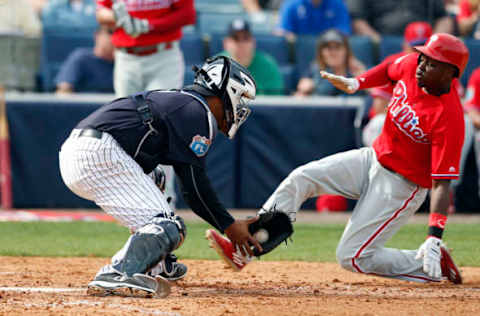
146, 50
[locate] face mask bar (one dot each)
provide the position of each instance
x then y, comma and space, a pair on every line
241, 116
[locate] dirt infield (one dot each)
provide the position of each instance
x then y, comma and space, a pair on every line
56, 286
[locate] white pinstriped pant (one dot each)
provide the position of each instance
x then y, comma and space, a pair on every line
386, 201
101, 171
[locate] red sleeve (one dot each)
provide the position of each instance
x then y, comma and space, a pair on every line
472, 98
447, 140
183, 13
464, 10
104, 4
390, 70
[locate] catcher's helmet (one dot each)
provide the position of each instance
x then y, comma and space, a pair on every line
232, 83
448, 49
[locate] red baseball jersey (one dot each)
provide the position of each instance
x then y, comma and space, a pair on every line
423, 134
166, 18
386, 91
472, 98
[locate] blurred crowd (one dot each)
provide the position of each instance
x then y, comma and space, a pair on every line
332, 22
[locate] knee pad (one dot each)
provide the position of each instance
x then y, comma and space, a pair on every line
150, 244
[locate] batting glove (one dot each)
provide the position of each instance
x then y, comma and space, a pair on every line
140, 26
132, 26
431, 254
348, 85
121, 15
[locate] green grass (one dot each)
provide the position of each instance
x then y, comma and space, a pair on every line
310, 242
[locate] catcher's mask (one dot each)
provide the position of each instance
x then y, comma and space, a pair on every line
225, 78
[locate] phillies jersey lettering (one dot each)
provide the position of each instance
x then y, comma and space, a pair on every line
423, 134
145, 5
404, 116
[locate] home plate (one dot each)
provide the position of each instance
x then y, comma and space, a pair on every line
40, 289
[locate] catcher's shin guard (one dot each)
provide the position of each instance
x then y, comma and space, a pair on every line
149, 245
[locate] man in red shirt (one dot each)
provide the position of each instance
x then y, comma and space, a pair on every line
472, 109
146, 37
147, 53
418, 149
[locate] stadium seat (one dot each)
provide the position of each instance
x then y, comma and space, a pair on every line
218, 6
56, 46
474, 60
289, 78
362, 48
215, 22
276, 46
304, 53
193, 48
390, 45
188, 76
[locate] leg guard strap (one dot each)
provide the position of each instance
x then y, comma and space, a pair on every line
148, 246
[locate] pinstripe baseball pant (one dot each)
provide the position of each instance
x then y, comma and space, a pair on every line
101, 171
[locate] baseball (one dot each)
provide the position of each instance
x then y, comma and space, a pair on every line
261, 235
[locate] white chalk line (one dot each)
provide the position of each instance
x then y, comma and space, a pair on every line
41, 289
135, 309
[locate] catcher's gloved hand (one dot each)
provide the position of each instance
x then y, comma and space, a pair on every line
349, 85
132, 26
278, 228
431, 254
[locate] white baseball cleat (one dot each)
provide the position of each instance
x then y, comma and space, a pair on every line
139, 285
224, 247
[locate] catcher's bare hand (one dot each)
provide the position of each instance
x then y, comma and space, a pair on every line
240, 236
348, 85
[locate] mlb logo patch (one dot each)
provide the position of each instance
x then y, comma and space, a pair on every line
200, 145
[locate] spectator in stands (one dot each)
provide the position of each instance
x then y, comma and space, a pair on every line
18, 17
89, 70
375, 18
312, 17
468, 18
472, 122
70, 13
37, 6
240, 45
333, 54
20, 32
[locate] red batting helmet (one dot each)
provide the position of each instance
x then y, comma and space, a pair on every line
446, 48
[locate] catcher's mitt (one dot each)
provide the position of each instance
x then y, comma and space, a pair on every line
278, 228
